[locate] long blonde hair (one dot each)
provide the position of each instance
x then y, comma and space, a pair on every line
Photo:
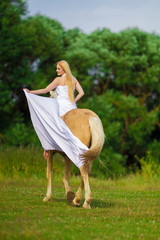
70, 80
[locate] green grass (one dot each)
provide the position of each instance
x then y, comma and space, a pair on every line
127, 208
124, 208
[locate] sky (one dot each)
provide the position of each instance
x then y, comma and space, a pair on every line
89, 15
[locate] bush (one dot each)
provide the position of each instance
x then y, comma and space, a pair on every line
20, 134
26, 162
150, 168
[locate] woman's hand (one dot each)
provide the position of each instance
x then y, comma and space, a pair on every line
27, 90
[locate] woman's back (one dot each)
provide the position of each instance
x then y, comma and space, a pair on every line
62, 92
65, 104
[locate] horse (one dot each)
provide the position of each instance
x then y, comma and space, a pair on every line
87, 126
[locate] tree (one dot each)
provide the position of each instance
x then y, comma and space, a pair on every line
29, 49
14, 66
128, 128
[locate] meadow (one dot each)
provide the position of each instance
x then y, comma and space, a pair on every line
123, 208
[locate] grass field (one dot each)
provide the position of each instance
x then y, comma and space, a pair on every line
127, 208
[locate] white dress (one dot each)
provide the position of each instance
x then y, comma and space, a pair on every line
65, 104
52, 131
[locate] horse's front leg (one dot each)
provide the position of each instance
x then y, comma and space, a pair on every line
85, 177
49, 176
70, 195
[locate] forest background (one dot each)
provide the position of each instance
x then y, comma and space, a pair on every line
120, 74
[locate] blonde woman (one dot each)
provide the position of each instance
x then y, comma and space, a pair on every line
46, 114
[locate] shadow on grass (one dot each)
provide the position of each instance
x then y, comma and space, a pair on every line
94, 204
102, 204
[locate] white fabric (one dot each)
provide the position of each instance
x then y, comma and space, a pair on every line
52, 131
65, 104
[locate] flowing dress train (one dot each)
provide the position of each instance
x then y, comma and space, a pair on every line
52, 131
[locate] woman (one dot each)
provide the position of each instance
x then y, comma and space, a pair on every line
46, 113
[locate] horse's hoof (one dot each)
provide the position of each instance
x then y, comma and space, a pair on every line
46, 199
76, 202
86, 206
70, 196
73, 205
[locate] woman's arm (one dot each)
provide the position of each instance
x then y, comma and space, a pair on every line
79, 90
50, 87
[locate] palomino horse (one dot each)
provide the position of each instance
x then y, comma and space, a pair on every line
86, 126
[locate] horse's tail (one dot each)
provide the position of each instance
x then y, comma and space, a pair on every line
97, 140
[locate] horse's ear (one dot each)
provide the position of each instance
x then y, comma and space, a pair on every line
53, 94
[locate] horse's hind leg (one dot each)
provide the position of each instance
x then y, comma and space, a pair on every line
78, 197
49, 176
70, 195
85, 177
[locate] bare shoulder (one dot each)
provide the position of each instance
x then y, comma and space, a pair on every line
61, 80
56, 80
